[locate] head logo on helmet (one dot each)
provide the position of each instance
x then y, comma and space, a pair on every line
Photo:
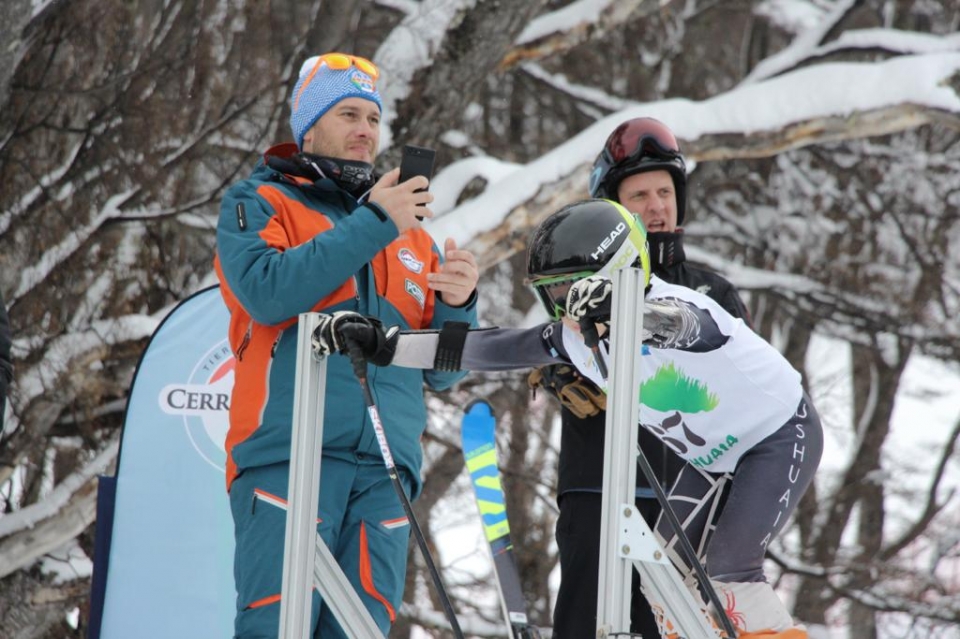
584, 238
607, 242
637, 146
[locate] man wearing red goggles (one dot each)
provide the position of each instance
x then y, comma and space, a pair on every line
642, 168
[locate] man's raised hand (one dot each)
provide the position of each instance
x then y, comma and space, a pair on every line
402, 200
458, 275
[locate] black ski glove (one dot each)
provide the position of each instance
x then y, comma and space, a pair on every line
337, 332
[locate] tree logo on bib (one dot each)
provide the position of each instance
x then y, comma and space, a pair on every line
671, 391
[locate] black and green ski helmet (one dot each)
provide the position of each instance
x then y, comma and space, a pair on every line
582, 239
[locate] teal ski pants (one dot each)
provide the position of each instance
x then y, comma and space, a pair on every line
361, 520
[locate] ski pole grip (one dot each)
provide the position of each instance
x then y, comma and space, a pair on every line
356, 358
591, 336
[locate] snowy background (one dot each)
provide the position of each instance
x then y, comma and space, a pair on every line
821, 136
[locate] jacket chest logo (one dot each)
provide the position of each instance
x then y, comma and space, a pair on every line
410, 261
414, 291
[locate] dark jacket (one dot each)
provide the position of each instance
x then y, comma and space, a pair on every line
581, 440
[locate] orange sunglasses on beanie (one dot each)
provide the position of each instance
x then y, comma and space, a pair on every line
325, 80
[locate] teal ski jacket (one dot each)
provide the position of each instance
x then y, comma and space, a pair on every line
287, 245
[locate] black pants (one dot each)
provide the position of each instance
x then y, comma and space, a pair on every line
578, 539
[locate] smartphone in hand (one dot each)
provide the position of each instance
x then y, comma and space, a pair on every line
417, 160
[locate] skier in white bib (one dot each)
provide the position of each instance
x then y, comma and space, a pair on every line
719, 395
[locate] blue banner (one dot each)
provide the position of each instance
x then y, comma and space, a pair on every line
170, 562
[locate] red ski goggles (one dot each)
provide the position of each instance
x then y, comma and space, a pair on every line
640, 138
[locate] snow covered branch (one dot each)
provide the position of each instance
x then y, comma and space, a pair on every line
578, 22
31, 532
809, 106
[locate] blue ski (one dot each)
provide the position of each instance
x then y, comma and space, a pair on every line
480, 451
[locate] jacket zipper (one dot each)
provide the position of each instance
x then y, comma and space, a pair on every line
245, 342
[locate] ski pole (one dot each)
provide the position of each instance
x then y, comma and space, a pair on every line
688, 549
591, 337
360, 370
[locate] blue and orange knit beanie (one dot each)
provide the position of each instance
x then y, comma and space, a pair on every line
319, 87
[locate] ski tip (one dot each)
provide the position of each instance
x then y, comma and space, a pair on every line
479, 408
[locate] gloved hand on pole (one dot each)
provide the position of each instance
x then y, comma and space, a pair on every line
349, 333
666, 323
589, 303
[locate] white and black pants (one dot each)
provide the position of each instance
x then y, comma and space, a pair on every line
731, 518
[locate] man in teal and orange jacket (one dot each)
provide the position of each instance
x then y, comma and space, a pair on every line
312, 229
